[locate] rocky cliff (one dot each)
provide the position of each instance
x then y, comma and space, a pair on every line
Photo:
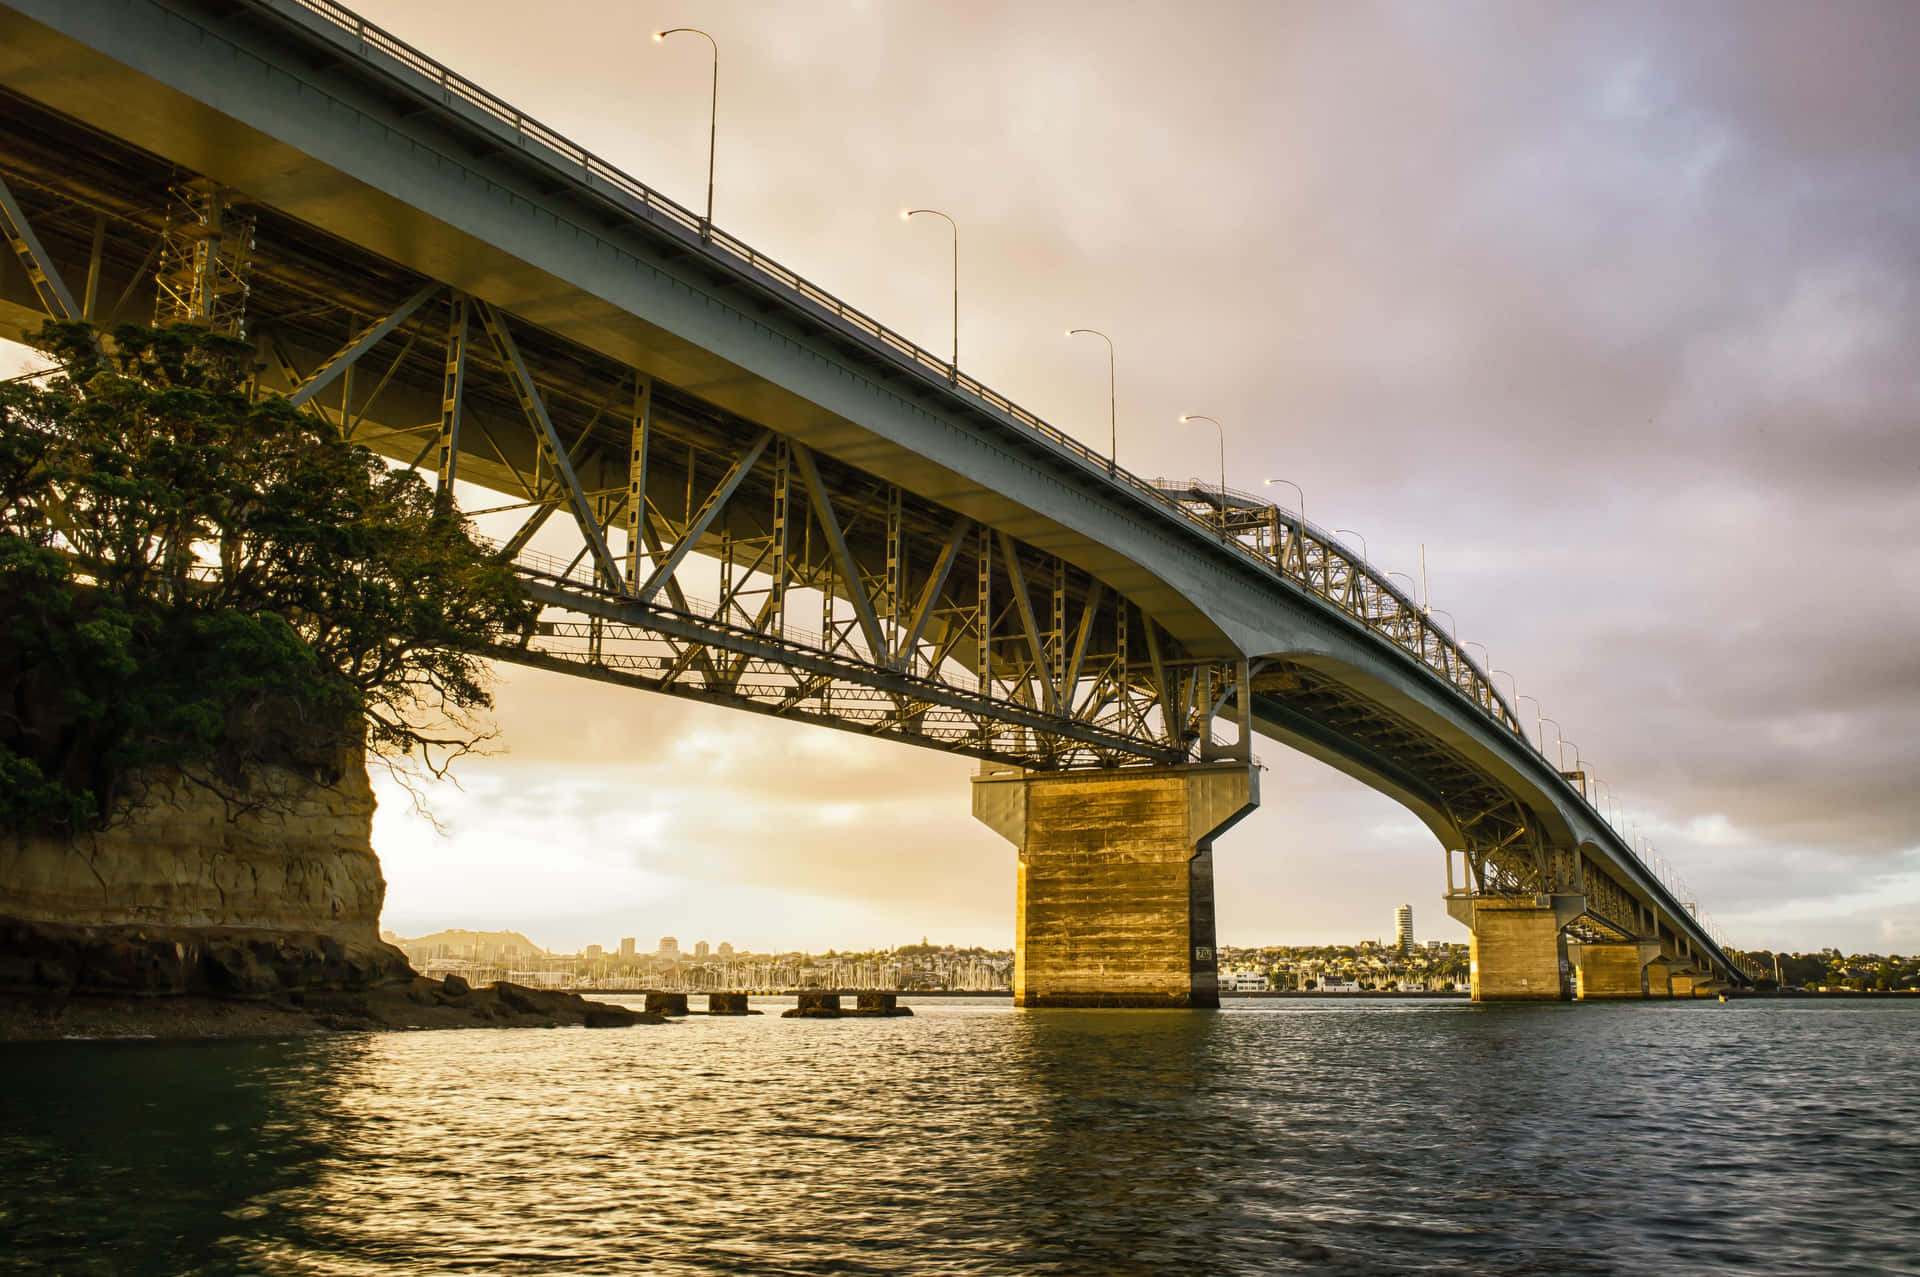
196, 894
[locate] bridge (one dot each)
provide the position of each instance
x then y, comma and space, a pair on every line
782, 506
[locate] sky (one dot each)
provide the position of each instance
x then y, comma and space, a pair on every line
1612, 309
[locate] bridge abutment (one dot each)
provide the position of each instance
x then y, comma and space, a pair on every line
1114, 906
1518, 944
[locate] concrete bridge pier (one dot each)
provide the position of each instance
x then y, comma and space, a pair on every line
1518, 948
1614, 970
1115, 898
1698, 984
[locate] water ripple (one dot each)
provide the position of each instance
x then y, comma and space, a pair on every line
1349, 1137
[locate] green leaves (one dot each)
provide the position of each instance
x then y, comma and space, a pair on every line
198, 576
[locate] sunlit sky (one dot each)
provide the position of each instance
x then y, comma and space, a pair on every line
1612, 308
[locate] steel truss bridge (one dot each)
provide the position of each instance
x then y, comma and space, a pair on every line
778, 503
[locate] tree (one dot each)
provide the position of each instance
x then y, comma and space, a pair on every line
197, 577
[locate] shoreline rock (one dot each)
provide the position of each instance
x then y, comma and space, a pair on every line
191, 920
415, 1004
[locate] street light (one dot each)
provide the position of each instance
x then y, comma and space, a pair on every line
1349, 532
1404, 577
1223, 463
713, 117
1452, 624
1540, 719
1513, 688
907, 215
1540, 735
1485, 655
1297, 492
1113, 427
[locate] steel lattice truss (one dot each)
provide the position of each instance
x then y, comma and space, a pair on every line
1504, 850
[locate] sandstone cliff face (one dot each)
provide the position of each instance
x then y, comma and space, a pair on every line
186, 896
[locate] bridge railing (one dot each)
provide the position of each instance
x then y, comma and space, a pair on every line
1408, 626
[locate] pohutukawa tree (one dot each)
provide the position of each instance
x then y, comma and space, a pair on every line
198, 579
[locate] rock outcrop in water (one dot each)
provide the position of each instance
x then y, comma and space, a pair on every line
192, 918
188, 895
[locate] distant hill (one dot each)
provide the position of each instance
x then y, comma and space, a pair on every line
485, 944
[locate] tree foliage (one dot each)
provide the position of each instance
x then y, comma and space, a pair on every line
194, 575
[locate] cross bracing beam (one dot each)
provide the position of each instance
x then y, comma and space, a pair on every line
552, 449
837, 543
843, 691
349, 354
703, 520
55, 296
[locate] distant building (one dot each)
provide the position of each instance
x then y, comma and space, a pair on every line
1403, 928
1242, 982
725, 950
669, 950
1436, 946
1331, 985
700, 951
592, 953
626, 946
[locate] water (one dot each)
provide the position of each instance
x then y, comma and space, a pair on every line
1337, 1136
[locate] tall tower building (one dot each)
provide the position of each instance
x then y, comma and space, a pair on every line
626, 946
700, 951
669, 949
1403, 928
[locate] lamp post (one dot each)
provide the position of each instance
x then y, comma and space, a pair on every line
1540, 719
713, 115
1223, 464
1452, 625
1113, 420
1349, 532
1399, 611
1513, 688
954, 370
1485, 655
1298, 493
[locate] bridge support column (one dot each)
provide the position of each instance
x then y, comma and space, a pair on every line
1613, 970
1518, 944
1659, 980
1115, 899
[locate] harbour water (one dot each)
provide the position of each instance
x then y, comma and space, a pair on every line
1275, 1136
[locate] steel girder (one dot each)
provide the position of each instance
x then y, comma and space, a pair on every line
826, 595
